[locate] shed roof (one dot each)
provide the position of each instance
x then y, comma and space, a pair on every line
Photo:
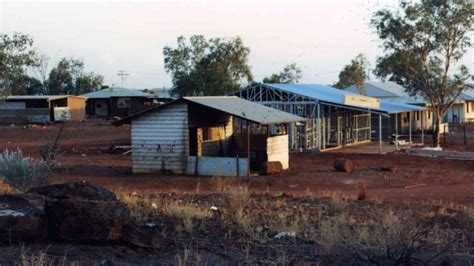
336, 96
244, 109
40, 97
28, 97
116, 92
234, 106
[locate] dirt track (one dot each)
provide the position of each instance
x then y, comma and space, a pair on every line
83, 158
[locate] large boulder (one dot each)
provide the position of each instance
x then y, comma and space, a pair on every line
80, 220
81, 212
76, 190
22, 218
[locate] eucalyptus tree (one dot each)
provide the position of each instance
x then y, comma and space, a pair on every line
424, 42
207, 67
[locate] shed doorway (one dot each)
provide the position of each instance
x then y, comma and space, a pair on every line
101, 108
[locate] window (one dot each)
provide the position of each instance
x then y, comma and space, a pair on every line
467, 107
418, 116
123, 103
429, 114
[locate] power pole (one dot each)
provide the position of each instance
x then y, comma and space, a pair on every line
123, 75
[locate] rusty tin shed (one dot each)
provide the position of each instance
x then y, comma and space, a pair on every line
223, 135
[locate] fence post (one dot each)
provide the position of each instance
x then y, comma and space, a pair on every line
465, 138
444, 134
237, 159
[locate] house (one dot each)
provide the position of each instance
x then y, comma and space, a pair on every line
392, 92
24, 109
119, 102
460, 112
225, 136
334, 118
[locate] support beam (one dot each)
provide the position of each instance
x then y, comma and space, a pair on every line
396, 132
380, 134
323, 128
319, 126
248, 148
409, 127
423, 127
338, 129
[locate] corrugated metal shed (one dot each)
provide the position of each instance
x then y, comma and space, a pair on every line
246, 109
336, 96
116, 92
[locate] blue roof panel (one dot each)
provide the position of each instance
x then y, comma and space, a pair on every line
336, 96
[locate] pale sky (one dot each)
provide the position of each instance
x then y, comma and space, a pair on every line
320, 36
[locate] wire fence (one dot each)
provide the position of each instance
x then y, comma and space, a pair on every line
458, 133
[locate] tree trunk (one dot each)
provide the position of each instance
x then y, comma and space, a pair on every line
437, 130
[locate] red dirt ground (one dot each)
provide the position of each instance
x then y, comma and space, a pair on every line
83, 157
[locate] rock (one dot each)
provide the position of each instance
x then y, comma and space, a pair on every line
79, 220
76, 190
140, 237
72, 212
388, 169
285, 234
22, 218
269, 168
343, 165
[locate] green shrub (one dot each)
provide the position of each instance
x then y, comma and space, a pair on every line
23, 172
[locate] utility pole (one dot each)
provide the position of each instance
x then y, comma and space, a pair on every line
123, 75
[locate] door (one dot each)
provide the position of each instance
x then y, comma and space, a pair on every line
101, 108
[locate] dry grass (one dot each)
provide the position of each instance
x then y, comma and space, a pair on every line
5, 188
41, 258
386, 237
188, 256
188, 215
371, 234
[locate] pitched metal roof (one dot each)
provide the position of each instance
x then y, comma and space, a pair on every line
244, 109
40, 97
467, 94
231, 105
393, 107
388, 90
336, 96
28, 97
116, 92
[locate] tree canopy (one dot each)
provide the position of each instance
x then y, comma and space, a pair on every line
423, 41
291, 74
16, 55
207, 67
68, 77
354, 73
18, 58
